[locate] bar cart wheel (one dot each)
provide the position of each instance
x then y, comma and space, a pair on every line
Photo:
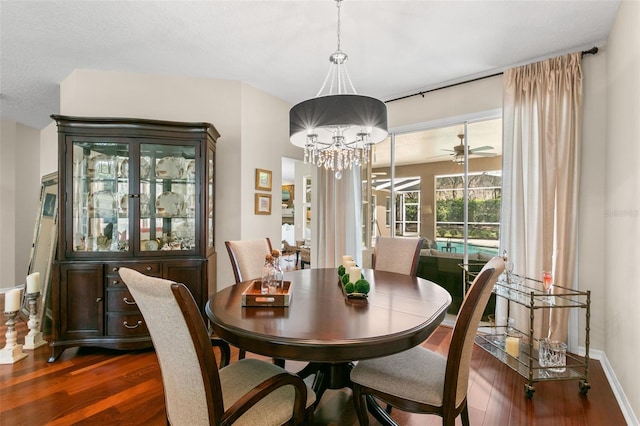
529, 390
584, 386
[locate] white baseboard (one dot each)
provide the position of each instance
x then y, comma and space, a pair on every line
6, 289
618, 392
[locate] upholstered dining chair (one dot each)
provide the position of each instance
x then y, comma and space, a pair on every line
247, 257
197, 392
398, 254
422, 381
247, 260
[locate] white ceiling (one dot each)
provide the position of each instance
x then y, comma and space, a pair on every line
282, 47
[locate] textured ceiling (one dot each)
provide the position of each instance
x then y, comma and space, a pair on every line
282, 47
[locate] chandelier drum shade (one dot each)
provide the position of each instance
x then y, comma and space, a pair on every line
337, 129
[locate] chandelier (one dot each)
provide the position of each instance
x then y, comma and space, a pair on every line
338, 127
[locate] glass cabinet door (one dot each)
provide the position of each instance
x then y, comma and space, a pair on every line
167, 197
100, 179
211, 197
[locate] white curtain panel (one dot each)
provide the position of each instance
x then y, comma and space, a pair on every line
542, 124
338, 219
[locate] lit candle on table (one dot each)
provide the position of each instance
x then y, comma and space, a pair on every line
33, 282
348, 264
346, 259
12, 300
354, 274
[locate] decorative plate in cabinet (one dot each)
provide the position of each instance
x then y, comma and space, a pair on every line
169, 204
102, 203
169, 168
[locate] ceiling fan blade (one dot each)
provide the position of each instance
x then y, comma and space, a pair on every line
438, 156
484, 154
481, 148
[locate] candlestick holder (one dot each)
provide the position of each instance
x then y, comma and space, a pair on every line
34, 339
12, 351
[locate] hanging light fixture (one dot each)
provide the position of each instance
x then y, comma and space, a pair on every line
338, 126
459, 150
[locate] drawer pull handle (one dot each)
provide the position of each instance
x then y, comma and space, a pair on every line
148, 268
115, 282
128, 302
99, 299
132, 326
115, 269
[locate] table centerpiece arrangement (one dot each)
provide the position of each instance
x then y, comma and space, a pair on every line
351, 279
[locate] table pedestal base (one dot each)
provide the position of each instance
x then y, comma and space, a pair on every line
337, 376
327, 376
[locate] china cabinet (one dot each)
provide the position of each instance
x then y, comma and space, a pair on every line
519, 349
133, 193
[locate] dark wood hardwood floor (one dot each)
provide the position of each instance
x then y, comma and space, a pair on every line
96, 386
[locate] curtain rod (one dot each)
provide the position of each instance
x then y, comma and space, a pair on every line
591, 51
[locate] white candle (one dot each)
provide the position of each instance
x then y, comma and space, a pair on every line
12, 300
346, 259
33, 282
512, 346
348, 264
354, 274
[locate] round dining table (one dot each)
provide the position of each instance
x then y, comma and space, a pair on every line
326, 328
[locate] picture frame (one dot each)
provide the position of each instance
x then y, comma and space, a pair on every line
263, 180
263, 204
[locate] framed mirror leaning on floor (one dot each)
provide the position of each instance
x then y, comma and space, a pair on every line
45, 238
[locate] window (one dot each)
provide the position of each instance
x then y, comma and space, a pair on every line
484, 198
408, 213
417, 177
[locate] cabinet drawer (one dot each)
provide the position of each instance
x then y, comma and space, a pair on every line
126, 325
121, 301
147, 268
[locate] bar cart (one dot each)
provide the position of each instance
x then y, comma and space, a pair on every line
526, 359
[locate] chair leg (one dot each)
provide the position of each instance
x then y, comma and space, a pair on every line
241, 354
360, 405
465, 415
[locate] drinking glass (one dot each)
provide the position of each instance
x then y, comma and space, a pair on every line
547, 283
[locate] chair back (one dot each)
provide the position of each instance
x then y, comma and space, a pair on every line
398, 254
247, 257
189, 371
462, 339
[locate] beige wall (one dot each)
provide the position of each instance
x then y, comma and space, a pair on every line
265, 140
591, 232
19, 199
621, 250
446, 106
253, 128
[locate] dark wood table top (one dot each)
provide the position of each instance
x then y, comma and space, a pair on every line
322, 325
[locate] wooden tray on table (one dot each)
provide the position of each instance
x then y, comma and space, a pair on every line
252, 295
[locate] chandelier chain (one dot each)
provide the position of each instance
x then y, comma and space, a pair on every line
338, 3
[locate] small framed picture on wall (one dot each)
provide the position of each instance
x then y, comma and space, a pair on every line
263, 180
263, 204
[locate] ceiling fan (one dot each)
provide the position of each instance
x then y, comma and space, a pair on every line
458, 151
